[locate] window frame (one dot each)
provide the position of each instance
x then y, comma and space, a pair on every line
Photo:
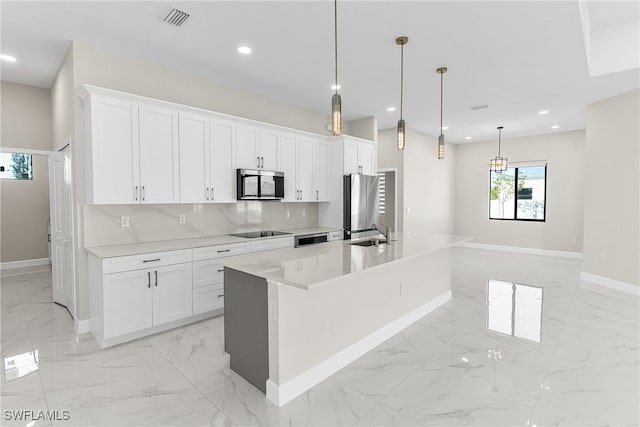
515, 204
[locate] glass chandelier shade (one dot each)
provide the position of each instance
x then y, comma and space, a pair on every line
499, 164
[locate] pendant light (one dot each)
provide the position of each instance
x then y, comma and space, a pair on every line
499, 164
441, 71
401, 129
336, 100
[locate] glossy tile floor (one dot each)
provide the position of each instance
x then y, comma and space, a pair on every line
564, 356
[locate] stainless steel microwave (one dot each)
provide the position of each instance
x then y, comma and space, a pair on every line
258, 184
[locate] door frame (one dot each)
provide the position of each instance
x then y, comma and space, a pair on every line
395, 189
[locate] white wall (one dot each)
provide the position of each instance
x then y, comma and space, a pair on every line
390, 157
564, 153
612, 183
428, 185
24, 204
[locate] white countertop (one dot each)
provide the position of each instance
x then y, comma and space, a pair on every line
196, 242
311, 265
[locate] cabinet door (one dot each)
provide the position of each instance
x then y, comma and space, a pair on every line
127, 302
247, 147
321, 171
287, 153
207, 272
223, 178
172, 296
305, 170
365, 159
114, 151
269, 150
351, 158
193, 143
159, 176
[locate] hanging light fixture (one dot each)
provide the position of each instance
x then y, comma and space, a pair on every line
441, 71
401, 129
499, 164
336, 100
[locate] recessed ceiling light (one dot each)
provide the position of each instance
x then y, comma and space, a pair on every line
543, 112
8, 58
390, 109
555, 127
445, 127
245, 50
336, 87
467, 138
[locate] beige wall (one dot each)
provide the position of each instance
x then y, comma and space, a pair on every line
99, 225
24, 211
390, 157
612, 182
428, 185
564, 152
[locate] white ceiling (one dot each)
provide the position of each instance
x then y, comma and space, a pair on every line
517, 57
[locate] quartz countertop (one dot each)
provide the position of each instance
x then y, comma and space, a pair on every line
196, 242
313, 265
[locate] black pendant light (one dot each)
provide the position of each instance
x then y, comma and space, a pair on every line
441, 71
498, 163
401, 128
336, 100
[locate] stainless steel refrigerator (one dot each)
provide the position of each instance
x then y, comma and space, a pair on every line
360, 204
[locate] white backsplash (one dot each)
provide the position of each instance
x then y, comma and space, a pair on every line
160, 222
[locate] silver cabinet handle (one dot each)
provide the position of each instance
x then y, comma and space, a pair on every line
224, 250
156, 273
144, 193
136, 193
221, 270
262, 162
220, 296
317, 194
148, 279
151, 260
212, 194
206, 193
258, 161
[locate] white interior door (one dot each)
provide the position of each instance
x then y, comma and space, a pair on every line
61, 211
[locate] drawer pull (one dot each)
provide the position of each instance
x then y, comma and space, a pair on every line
220, 296
224, 250
151, 260
221, 270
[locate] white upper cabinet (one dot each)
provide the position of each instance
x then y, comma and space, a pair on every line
223, 177
288, 153
114, 175
321, 170
305, 170
268, 149
159, 166
194, 167
358, 156
247, 150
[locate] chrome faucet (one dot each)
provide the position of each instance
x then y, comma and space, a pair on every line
384, 233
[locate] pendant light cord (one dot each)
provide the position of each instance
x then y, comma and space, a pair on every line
401, 78
499, 139
441, 100
335, 38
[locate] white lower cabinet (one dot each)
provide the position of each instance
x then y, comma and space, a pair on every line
172, 293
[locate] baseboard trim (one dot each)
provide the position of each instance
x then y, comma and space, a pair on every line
283, 393
617, 285
82, 326
24, 263
521, 250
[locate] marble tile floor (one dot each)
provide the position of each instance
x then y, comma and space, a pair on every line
578, 366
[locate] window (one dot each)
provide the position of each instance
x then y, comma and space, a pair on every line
16, 166
382, 185
518, 193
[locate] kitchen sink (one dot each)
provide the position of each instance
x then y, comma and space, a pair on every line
370, 242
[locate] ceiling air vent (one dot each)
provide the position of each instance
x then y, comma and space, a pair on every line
176, 17
479, 107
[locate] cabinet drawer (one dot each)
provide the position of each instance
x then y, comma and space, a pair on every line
208, 298
220, 251
336, 235
150, 260
207, 272
268, 244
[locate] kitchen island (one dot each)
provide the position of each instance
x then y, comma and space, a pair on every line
294, 317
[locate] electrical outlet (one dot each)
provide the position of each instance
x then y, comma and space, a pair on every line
182, 219
287, 213
408, 210
603, 257
124, 222
273, 313
574, 239
304, 213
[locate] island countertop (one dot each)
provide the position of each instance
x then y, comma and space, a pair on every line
316, 264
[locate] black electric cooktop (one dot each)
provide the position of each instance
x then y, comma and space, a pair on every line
257, 234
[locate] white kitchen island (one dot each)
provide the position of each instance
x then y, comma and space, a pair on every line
295, 316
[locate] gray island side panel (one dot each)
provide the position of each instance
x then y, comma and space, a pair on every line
246, 329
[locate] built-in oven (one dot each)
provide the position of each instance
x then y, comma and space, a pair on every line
257, 184
310, 239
